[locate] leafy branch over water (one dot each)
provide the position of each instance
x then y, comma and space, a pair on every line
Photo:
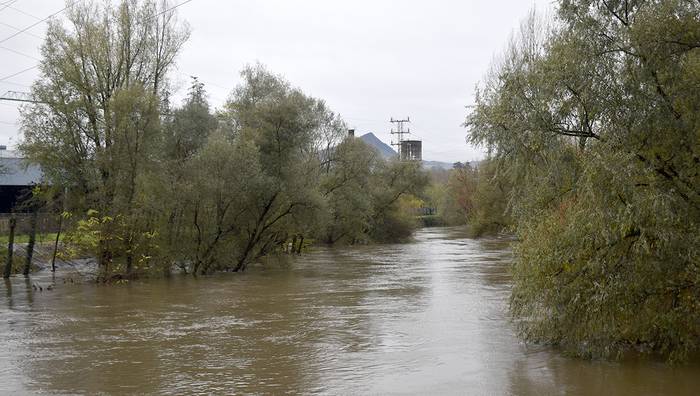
592, 119
151, 186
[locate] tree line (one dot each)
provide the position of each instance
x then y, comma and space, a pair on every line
592, 125
470, 195
150, 186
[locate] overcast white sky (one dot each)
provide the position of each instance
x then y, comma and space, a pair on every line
370, 60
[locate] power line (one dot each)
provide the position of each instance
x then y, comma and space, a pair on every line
399, 131
36, 23
26, 13
169, 9
14, 106
15, 84
208, 84
40, 20
190, 75
18, 73
19, 53
7, 4
15, 96
18, 29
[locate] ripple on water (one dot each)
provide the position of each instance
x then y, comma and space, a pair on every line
427, 317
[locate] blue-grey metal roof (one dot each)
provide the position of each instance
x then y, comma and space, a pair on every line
15, 172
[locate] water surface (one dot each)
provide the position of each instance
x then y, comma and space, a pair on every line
428, 317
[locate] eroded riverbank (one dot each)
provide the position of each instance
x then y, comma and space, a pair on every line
425, 317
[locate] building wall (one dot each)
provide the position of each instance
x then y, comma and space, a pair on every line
17, 178
412, 150
12, 196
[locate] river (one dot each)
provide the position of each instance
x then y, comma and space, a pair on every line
427, 317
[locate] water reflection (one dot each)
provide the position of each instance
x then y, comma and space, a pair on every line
425, 317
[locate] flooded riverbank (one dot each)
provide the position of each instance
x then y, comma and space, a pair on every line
425, 317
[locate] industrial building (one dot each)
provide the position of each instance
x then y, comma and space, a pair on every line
17, 178
411, 150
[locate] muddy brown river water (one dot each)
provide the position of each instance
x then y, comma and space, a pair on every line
428, 317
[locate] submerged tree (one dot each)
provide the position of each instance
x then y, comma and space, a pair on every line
281, 122
187, 128
345, 187
97, 122
152, 186
395, 181
593, 120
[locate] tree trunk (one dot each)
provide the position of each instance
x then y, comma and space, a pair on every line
55, 245
10, 247
129, 252
129, 263
30, 245
240, 266
105, 256
301, 243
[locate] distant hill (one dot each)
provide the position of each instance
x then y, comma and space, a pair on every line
437, 165
387, 152
447, 165
384, 149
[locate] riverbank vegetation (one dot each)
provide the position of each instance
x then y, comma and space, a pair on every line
150, 185
472, 196
592, 123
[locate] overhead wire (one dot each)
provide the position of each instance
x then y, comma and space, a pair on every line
7, 4
367, 122
25, 13
40, 20
169, 9
207, 83
18, 29
190, 74
36, 23
15, 84
24, 30
18, 73
19, 53
204, 81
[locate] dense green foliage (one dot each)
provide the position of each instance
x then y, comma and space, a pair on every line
449, 194
593, 120
150, 186
470, 196
363, 195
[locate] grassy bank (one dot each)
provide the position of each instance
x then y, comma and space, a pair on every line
24, 238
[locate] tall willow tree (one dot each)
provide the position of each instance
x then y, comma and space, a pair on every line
246, 187
152, 186
346, 182
594, 121
283, 123
97, 124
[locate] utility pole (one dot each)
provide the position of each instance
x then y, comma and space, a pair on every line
400, 131
14, 96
